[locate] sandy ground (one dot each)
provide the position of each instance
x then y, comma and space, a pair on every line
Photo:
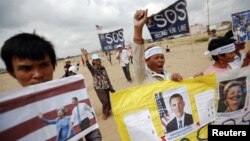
185, 58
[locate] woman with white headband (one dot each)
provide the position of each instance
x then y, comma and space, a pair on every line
222, 52
154, 69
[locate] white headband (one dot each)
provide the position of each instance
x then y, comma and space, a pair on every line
152, 51
224, 49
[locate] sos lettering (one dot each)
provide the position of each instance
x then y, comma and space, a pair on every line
114, 37
178, 13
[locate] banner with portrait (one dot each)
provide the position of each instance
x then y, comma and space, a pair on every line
166, 110
45, 111
233, 95
170, 21
241, 26
110, 40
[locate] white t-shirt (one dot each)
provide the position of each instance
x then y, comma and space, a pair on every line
124, 57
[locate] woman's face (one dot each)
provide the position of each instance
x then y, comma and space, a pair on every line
60, 113
233, 98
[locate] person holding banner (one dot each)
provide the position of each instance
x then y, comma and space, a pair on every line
222, 51
63, 125
123, 57
101, 81
181, 119
153, 57
30, 59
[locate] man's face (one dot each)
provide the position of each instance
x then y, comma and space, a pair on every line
156, 63
177, 106
74, 102
30, 72
229, 57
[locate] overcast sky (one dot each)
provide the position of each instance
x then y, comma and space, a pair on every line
70, 24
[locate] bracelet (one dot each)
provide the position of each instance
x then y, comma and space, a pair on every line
139, 40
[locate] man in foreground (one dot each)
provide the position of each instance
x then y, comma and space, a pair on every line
31, 59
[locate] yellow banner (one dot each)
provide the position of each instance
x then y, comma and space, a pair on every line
146, 112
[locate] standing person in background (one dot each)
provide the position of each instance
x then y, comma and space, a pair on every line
130, 54
66, 67
153, 57
123, 57
108, 55
83, 61
101, 82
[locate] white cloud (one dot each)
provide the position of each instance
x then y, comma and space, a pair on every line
70, 24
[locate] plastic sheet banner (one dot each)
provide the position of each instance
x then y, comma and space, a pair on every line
233, 95
20, 111
145, 113
170, 21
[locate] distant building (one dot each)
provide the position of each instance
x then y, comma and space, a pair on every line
224, 25
197, 29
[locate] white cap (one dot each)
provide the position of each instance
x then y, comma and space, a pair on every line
95, 56
118, 46
73, 68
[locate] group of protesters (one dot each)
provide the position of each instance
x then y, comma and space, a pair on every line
35, 63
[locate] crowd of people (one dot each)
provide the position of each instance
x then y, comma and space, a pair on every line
31, 59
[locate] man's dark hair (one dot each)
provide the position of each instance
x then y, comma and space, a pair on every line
26, 46
75, 98
229, 35
175, 96
218, 42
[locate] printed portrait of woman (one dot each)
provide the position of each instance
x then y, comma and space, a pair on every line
233, 97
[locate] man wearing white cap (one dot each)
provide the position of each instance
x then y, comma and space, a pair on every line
222, 52
153, 70
101, 82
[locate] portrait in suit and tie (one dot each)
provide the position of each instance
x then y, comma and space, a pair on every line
181, 118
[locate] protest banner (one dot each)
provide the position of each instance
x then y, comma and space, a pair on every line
110, 40
241, 26
144, 112
170, 21
20, 110
233, 95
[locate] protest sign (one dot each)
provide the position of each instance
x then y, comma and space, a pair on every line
241, 26
144, 112
20, 110
170, 21
110, 40
233, 95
